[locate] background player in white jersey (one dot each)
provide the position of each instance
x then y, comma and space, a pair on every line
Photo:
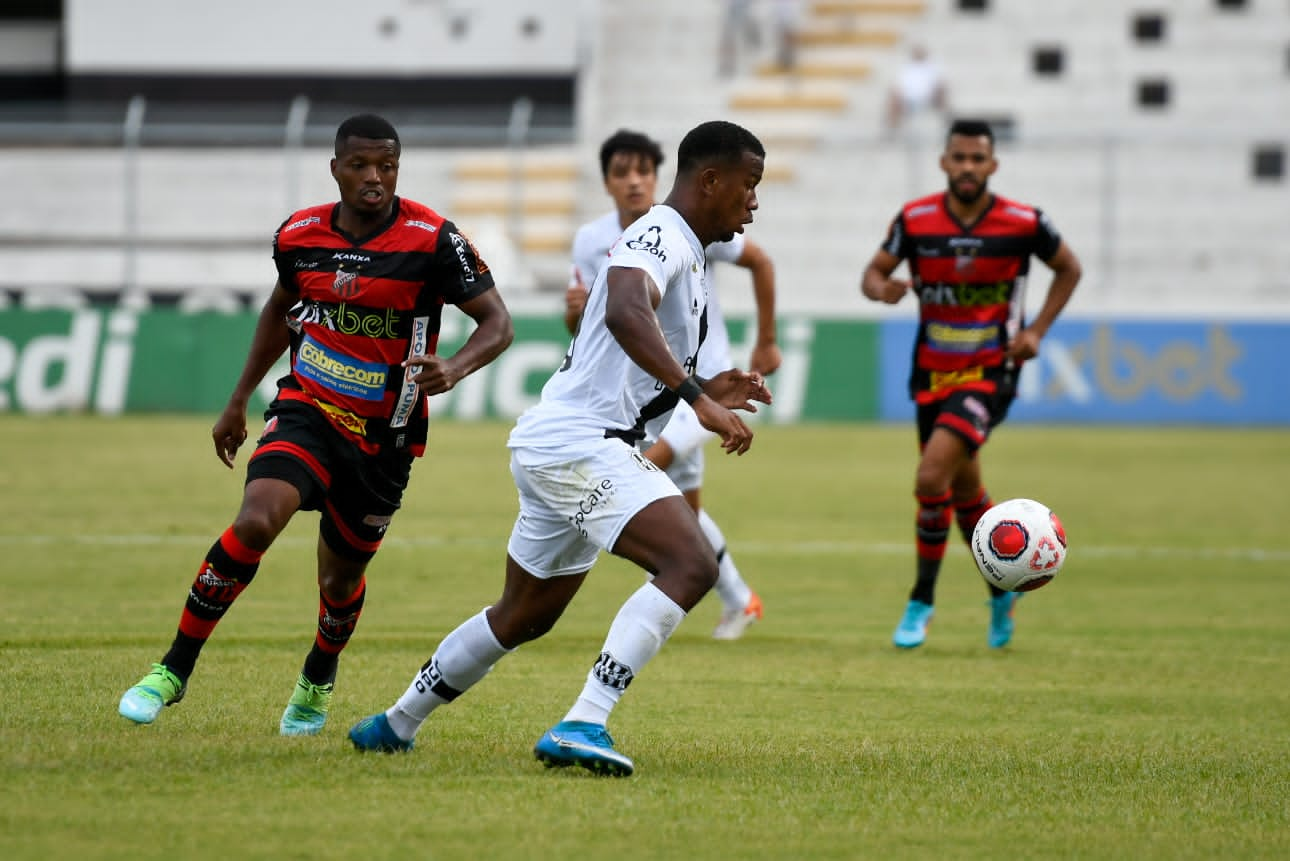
582, 483
629, 163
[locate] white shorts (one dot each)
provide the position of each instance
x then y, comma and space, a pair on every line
575, 501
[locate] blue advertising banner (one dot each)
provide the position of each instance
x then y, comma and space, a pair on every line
1131, 371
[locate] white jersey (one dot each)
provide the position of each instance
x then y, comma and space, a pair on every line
591, 246
598, 390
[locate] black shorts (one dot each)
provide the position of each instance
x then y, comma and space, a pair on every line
357, 493
968, 414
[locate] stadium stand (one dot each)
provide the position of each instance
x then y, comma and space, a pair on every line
1154, 134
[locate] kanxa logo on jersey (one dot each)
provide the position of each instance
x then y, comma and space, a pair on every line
650, 241
598, 495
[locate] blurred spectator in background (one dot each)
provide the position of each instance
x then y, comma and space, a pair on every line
919, 90
788, 21
739, 29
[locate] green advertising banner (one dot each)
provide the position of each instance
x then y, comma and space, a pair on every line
113, 361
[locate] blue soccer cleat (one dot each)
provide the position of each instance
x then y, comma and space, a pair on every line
912, 629
375, 734
1001, 624
573, 742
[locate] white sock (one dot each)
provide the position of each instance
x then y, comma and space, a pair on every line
464, 657
640, 629
731, 588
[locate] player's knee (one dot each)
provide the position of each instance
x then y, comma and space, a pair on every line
696, 571
514, 625
256, 528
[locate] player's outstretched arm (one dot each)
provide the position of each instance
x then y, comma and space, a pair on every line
877, 284
270, 340
738, 390
575, 299
766, 357
630, 300
493, 333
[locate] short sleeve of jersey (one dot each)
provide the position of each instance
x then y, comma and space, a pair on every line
653, 245
727, 252
1047, 239
895, 243
462, 272
286, 274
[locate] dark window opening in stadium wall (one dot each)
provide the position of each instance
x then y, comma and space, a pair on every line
1153, 93
1269, 164
252, 111
1048, 61
31, 10
974, 5
1004, 126
1149, 27
78, 74
1232, 5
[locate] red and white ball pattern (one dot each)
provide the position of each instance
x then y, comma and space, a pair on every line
1019, 545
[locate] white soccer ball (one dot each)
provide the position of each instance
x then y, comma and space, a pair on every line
1019, 545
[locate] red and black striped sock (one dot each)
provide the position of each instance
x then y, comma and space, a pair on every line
932, 531
967, 514
226, 571
336, 623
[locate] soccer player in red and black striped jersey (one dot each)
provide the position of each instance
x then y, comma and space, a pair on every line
968, 252
361, 287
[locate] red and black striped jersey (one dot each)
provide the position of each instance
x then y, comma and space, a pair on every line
971, 284
367, 304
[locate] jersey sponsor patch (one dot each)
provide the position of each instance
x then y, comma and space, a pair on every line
339, 373
409, 390
955, 338
939, 380
344, 418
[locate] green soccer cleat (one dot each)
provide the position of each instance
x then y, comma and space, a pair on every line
306, 711
160, 688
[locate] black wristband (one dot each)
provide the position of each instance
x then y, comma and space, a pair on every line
690, 390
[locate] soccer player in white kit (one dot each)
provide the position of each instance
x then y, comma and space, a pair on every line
583, 485
629, 162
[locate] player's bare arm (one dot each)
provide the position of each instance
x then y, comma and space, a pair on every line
271, 339
732, 390
493, 333
1066, 274
738, 390
877, 283
575, 299
630, 299
766, 357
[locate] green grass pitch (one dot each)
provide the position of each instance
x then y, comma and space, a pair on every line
1142, 710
